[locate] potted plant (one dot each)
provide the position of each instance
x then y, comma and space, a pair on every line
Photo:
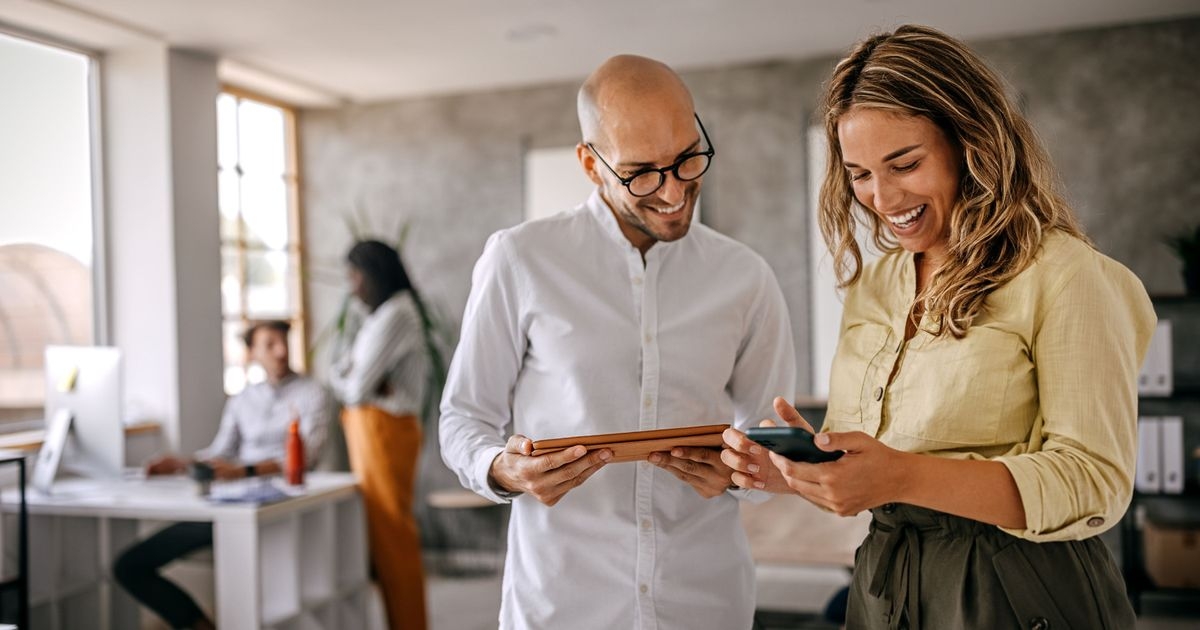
1186, 246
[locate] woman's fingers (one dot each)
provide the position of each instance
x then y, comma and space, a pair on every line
787, 412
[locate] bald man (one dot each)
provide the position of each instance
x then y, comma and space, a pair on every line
619, 315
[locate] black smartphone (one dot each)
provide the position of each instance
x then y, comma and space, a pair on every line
793, 443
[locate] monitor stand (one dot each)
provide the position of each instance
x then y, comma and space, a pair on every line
50, 456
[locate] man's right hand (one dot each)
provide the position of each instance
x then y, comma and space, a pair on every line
166, 465
548, 477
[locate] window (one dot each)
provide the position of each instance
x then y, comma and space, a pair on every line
48, 264
260, 227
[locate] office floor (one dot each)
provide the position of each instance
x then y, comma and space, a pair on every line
473, 603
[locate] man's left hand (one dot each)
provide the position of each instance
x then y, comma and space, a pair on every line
699, 467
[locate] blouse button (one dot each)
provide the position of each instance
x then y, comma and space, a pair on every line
1095, 521
878, 393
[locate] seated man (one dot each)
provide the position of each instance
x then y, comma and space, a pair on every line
249, 442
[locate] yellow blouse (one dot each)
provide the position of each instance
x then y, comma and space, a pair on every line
1045, 381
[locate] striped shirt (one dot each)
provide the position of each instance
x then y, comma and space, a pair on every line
255, 423
385, 364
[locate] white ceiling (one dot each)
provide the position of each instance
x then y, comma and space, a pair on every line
370, 50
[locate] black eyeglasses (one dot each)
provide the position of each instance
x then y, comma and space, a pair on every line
646, 182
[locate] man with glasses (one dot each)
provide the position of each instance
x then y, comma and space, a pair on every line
619, 316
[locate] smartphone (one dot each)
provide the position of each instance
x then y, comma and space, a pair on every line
793, 443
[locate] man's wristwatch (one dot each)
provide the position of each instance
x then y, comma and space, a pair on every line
249, 470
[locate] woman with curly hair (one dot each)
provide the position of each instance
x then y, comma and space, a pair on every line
984, 388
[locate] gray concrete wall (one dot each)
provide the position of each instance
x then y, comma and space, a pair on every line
1117, 108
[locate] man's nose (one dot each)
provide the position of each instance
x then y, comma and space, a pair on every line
673, 190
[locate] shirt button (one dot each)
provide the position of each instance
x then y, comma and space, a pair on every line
645, 523
637, 279
888, 508
878, 393
1095, 521
1039, 623
648, 402
644, 589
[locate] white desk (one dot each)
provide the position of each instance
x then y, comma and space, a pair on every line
299, 563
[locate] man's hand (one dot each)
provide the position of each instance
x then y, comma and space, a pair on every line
752, 467
224, 470
699, 467
166, 465
548, 477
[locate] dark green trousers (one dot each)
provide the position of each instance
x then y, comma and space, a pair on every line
925, 570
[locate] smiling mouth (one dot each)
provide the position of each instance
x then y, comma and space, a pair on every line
906, 220
671, 210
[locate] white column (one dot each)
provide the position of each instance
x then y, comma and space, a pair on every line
159, 139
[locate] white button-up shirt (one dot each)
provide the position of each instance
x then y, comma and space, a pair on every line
567, 332
384, 346
254, 425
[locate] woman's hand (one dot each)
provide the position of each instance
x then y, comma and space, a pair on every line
752, 469
870, 474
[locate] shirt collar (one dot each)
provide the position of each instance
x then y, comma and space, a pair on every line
608, 221
283, 382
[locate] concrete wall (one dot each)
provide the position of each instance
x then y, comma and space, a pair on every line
1115, 106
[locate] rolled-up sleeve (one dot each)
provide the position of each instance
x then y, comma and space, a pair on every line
476, 405
1088, 347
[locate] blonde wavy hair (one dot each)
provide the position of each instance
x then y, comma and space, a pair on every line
1007, 197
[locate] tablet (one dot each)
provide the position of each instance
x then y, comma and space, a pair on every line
634, 446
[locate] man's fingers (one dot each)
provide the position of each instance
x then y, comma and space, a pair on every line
696, 453
577, 480
558, 459
576, 467
557, 491
519, 444
681, 468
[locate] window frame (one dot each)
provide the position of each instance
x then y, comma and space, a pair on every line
299, 319
101, 328
101, 311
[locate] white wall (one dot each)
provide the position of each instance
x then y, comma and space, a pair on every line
554, 182
137, 177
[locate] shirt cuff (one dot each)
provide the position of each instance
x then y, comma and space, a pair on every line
1033, 500
483, 485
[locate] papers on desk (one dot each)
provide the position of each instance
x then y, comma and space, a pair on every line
258, 490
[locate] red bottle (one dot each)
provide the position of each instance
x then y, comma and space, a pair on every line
293, 466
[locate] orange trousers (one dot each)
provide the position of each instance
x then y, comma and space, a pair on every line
383, 454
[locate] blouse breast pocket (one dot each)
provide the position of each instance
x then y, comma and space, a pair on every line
963, 392
853, 365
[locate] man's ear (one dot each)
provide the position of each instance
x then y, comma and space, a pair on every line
587, 160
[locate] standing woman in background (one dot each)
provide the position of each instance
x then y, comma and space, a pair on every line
984, 388
380, 379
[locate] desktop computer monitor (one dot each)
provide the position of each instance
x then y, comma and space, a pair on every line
85, 382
